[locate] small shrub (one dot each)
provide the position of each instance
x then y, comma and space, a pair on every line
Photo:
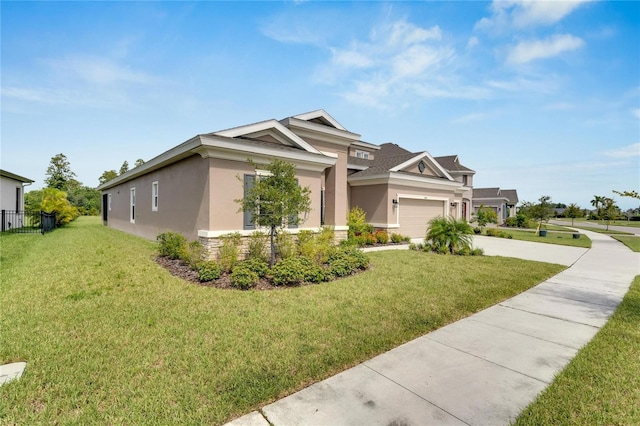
344, 261
491, 232
286, 247
243, 278
172, 245
382, 237
477, 252
449, 235
259, 266
477, 230
511, 222
370, 239
257, 246
209, 271
396, 238
357, 222
193, 254
340, 266
312, 272
229, 251
287, 272
307, 244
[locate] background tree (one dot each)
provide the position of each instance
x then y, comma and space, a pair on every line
484, 216
33, 200
632, 194
276, 200
139, 162
573, 211
86, 199
597, 203
106, 176
124, 168
609, 210
59, 174
542, 211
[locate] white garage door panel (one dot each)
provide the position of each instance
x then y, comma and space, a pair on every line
415, 214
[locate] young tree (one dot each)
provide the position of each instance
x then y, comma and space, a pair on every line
59, 174
485, 215
276, 199
124, 168
107, 175
573, 211
609, 210
542, 211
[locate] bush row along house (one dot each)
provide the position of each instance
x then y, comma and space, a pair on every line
502, 201
191, 188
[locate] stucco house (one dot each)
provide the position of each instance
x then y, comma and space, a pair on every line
502, 201
12, 199
191, 188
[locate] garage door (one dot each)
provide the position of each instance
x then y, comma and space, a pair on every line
415, 214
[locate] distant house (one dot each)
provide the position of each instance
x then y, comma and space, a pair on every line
12, 191
12, 199
191, 188
502, 201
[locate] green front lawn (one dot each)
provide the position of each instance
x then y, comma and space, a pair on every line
603, 231
633, 242
562, 238
601, 385
110, 337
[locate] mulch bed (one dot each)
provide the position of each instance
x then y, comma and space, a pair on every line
178, 269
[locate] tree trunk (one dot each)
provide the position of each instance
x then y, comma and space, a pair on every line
272, 260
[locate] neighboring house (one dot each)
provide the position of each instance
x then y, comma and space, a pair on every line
12, 199
502, 201
191, 188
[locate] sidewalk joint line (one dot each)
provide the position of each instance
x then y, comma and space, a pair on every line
410, 391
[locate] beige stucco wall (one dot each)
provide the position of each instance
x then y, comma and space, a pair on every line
183, 200
227, 185
374, 200
335, 182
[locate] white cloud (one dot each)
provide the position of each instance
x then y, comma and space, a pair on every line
102, 71
636, 113
528, 51
632, 150
507, 14
469, 117
473, 42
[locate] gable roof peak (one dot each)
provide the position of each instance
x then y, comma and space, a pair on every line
320, 116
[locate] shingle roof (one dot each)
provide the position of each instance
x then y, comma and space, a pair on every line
451, 163
510, 194
14, 176
391, 150
486, 193
382, 165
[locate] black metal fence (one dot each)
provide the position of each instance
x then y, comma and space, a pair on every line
27, 221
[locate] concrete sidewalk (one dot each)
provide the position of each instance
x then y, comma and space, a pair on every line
481, 370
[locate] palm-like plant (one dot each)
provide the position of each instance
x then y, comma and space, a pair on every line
449, 235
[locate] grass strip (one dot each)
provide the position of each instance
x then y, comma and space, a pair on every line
601, 385
633, 242
112, 338
561, 238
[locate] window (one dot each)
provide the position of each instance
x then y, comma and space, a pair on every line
247, 220
18, 197
109, 201
154, 196
421, 166
132, 204
465, 179
362, 154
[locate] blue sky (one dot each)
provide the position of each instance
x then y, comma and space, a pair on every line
543, 97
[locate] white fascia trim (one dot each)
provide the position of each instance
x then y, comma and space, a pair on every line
423, 197
247, 232
404, 179
385, 225
329, 154
498, 199
357, 167
422, 156
232, 150
314, 130
262, 128
320, 113
366, 145
171, 156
